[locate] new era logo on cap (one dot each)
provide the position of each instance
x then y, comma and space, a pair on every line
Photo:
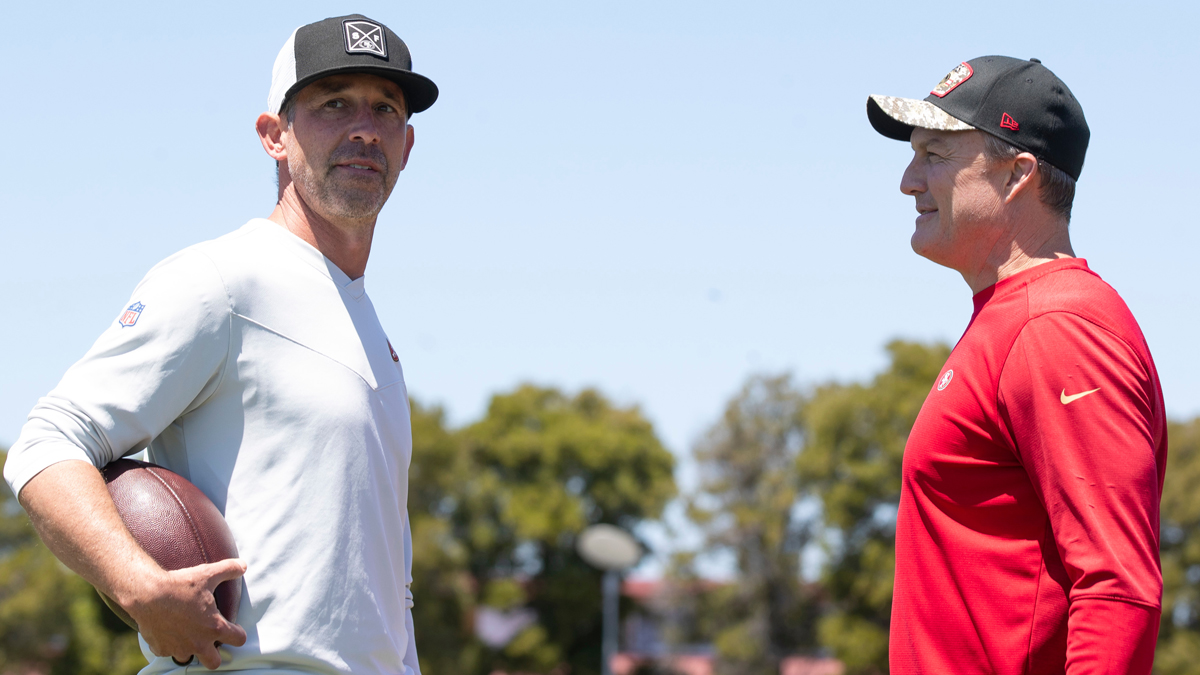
364, 37
1008, 122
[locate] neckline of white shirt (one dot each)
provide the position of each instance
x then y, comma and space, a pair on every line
355, 288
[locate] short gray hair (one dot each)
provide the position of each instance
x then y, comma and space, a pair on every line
288, 111
1055, 188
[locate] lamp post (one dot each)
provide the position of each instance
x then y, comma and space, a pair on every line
613, 550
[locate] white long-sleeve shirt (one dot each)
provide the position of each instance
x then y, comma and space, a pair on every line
255, 368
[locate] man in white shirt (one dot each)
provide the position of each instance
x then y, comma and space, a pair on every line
254, 365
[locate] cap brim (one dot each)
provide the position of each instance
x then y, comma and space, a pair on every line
896, 117
419, 91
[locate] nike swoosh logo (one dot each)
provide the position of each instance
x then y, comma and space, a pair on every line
1074, 397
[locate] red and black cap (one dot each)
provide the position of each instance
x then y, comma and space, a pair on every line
1018, 101
347, 44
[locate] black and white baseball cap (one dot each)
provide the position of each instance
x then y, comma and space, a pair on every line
1018, 101
346, 44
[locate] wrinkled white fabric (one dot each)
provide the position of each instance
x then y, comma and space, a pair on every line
258, 370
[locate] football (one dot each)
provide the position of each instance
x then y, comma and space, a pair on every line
174, 522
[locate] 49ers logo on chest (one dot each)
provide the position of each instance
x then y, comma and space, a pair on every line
945, 381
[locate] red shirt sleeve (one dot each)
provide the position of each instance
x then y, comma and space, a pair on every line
1082, 408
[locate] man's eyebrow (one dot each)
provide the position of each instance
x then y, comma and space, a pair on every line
330, 87
394, 94
391, 92
935, 141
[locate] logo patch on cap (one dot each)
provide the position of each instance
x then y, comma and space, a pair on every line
1008, 122
961, 73
364, 37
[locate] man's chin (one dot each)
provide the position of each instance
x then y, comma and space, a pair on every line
357, 204
925, 248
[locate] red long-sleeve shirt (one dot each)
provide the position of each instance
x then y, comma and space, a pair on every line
1027, 536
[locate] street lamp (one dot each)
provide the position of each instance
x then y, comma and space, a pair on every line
613, 550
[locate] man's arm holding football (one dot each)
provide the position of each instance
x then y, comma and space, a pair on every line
176, 613
131, 385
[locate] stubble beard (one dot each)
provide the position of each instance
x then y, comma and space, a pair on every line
348, 198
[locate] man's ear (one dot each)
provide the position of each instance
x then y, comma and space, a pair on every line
410, 136
1022, 175
270, 130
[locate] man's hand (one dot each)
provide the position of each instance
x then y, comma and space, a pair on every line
175, 611
179, 616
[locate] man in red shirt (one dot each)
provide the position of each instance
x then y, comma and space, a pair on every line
1027, 536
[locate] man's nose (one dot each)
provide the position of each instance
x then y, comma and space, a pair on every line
913, 181
363, 127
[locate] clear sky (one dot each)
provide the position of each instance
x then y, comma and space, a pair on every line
655, 198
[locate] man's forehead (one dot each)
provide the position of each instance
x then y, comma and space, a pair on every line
345, 82
934, 138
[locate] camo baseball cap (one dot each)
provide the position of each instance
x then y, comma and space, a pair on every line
1018, 101
346, 44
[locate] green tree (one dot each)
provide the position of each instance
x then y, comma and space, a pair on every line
444, 591
747, 507
52, 621
545, 466
1179, 636
854, 444
496, 508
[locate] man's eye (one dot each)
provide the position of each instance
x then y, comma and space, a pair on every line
335, 104
383, 107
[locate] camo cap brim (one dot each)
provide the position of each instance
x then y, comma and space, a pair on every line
895, 117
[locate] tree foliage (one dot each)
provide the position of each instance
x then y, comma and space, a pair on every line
444, 591
851, 462
52, 621
746, 507
1179, 636
497, 507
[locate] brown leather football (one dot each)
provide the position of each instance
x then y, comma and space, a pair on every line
174, 522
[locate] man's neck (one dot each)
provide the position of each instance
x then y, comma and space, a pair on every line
1024, 248
346, 244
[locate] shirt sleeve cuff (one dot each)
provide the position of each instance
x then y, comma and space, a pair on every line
1111, 636
25, 462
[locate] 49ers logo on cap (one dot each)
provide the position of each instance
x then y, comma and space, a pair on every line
961, 73
364, 37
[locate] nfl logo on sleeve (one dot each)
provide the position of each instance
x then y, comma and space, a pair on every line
364, 37
131, 315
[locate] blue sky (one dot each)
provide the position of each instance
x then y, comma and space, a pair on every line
656, 199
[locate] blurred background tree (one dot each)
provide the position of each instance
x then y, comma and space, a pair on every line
545, 466
444, 591
52, 621
851, 462
748, 508
1179, 635
496, 508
